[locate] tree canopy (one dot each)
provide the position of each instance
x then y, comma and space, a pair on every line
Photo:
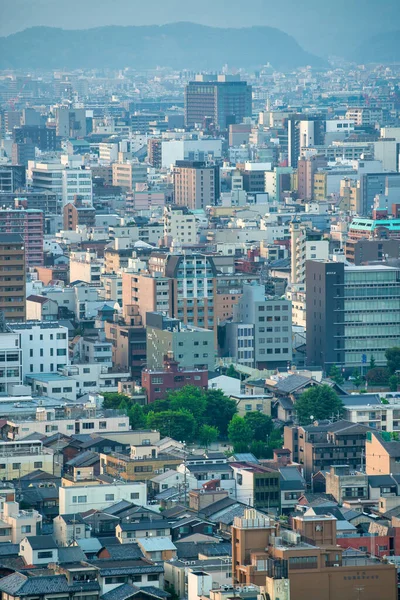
239, 432
393, 359
261, 425
178, 424
318, 402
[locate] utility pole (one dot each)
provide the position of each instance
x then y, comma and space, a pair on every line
184, 474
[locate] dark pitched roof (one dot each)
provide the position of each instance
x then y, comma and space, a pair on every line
108, 568
124, 551
71, 554
18, 584
215, 507
42, 542
8, 549
126, 590
292, 383
141, 525
84, 459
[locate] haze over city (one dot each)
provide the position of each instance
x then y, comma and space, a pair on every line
199, 300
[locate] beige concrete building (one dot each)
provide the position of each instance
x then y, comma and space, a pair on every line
16, 524
149, 293
129, 173
382, 454
195, 184
180, 225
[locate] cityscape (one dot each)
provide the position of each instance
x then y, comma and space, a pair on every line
199, 301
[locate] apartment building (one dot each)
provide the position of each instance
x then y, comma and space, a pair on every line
85, 266
100, 495
67, 421
353, 312
19, 458
196, 184
11, 372
257, 486
143, 463
44, 346
128, 174
29, 224
148, 292
17, 524
193, 286
76, 213
128, 339
158, 382
192, 347
12, 277
269, 321
180, 225
65, 181
304, 563
318, 447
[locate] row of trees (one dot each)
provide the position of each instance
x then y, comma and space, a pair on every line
385, 376
204, 415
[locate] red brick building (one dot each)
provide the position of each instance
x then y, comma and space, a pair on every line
158, 383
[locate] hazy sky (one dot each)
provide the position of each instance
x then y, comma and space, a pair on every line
319, 25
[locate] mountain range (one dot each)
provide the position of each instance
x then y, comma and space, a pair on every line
177, 45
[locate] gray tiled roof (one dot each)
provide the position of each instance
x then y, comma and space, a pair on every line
126, 590
42, 542
18, 584
292, 383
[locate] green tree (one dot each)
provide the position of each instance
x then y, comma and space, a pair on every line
231, 372
156, 406
377, 376
189, 398
179, 424
260, 449
114, 399
124, 406
393, 383
207, 435
261, 425
336, 374
357, 380
239, 432
318, 402
372, 363
393, 359
219, 410
137, 418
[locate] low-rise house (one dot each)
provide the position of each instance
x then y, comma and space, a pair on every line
69, 528
141, 573
157, 548
39, 550
19, 523
129, 532
30, 587
143, 463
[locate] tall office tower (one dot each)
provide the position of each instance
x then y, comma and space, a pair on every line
304, 131
353, 313
196, 184
223, 98
12, 277
29, 224
306, 169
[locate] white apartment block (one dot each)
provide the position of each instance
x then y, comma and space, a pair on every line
77, 182
85, 266
80, 498
198, 150
94, 378
10, 361
44, 346
62, 180
21, 458
180, 225
47, 422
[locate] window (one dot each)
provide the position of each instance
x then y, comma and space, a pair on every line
86, 370
38, 465
134, 496
152, 577
26, 529
16, 466
61, 352
82, 498
109, 497
45, 554
88, 425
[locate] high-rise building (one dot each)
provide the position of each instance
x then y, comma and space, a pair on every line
304, 131
66, 182
29, 224
12, 277
127, 174
154, 152
353, 313
193, 286
196, 184
41, 137
267, 326
223, 98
